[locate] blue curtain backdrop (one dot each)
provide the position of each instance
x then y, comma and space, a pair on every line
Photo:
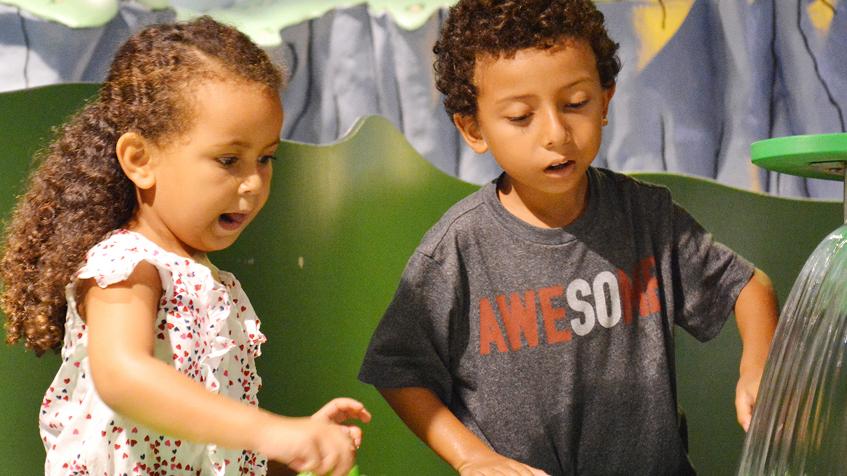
701, 79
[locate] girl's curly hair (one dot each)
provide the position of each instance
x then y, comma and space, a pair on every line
501, 27
78, 193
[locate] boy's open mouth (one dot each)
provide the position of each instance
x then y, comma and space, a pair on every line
232, 221
559, 166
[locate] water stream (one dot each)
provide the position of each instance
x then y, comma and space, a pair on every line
800, 422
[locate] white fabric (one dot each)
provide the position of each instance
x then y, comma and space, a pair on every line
206, 329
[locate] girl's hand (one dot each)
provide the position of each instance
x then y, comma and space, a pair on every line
308, 444
340, 410
495, 464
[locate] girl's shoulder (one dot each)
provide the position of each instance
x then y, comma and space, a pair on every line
114, 259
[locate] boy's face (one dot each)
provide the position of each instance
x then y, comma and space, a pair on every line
540, 114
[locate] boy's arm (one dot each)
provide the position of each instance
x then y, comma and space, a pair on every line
427, 416
756, 312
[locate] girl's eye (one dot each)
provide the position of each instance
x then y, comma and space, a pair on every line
576, 105
522, 119
266, 159
227, 161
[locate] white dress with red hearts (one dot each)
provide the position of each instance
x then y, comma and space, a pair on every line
206, 329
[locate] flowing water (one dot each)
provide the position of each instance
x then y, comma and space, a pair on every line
800, 422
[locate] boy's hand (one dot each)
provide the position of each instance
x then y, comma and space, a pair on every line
340, 410
745, 396
495, 464
756, 312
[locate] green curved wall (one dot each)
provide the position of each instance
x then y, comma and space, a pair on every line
322, 261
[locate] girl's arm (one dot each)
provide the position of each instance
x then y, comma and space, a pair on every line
131, 381
756, 312
427, 416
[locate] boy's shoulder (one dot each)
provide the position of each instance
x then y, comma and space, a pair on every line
466, 214
632, 192
628, 184
472, 214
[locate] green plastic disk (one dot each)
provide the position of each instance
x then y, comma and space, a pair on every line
822, 156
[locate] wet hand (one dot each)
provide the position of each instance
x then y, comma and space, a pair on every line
746, 393
308, 444
340, 410
498, 465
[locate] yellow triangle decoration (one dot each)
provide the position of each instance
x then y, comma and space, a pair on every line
655, 24
821, 13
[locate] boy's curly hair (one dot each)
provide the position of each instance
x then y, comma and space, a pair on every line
78, 193
476, 28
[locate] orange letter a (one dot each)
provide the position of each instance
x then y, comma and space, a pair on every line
489, 329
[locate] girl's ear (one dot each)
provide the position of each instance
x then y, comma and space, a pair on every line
135, 159
469, 128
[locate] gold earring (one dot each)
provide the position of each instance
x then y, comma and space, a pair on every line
604, 122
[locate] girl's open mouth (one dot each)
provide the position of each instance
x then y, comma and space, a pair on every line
232, 221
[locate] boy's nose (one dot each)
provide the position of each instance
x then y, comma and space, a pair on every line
556, 131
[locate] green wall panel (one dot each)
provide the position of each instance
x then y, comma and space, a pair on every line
26, 119
322, 260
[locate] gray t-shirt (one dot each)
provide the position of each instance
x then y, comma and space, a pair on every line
555, 346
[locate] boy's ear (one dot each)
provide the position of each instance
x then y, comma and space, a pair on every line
608, 94
135, 159
469, 128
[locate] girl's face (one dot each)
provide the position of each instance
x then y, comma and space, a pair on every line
212, 181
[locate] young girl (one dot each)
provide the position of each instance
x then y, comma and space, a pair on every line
171, 161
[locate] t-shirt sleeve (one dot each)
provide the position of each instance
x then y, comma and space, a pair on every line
708, 277
410, 347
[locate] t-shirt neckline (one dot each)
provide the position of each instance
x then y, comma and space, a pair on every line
551, 236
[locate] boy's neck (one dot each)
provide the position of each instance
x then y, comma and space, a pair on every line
541, 209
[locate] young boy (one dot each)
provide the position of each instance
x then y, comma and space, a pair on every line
532, 330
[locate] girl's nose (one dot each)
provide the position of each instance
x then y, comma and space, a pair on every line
252, 183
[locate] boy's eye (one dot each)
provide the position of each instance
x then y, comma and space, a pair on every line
266, 159
227, 161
